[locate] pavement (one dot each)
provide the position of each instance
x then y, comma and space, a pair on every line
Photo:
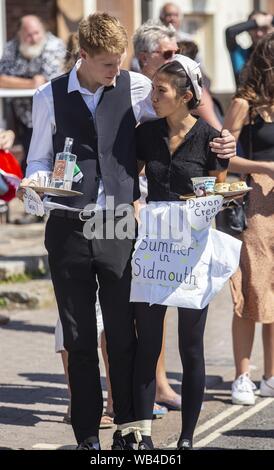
33, 393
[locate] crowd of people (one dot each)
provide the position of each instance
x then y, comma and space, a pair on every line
168, 129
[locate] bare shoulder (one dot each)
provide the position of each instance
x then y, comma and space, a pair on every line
237, 114
240, 104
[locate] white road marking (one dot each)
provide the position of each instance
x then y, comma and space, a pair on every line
232, 424
211, 422
221, 417
44, 446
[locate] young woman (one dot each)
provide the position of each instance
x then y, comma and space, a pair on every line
174, 148
251, 120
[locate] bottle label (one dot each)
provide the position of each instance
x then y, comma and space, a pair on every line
59, 170
77, 174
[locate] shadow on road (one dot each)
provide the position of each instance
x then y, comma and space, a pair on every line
27, 417
16, 325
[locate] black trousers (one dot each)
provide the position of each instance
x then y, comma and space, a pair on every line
149, 327
76, 264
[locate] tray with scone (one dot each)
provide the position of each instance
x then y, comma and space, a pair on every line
229, 191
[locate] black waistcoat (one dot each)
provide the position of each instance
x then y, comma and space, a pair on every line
107, 152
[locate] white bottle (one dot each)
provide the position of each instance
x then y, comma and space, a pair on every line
65, 161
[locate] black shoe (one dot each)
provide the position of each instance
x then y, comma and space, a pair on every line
121, 443
184, 444
143, 446
91, 443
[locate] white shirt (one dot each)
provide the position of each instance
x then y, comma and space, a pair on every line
41, 153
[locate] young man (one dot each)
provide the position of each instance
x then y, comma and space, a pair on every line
99, 105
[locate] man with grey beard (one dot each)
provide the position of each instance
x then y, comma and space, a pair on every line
30, 59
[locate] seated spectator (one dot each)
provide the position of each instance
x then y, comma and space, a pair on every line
30, 59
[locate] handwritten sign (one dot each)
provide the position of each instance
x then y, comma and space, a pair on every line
186, 272
202, 210
168, 263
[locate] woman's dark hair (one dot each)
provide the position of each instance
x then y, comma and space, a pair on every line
188, 48
257, 79
180, 81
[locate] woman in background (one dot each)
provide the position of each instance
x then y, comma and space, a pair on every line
250, 119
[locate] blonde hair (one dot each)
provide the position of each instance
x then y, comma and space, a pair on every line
101, 32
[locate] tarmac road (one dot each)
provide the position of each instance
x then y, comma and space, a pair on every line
33, 395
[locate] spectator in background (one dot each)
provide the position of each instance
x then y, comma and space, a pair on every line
155, 45
250, 118
6, 139
259, 24
30, 59
72, 52
6, 142
190, 49
171, 14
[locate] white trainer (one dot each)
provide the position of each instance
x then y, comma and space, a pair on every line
267, 387
243, 391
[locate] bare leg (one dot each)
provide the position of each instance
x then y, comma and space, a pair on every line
109, 407
268, 343
64, 355
164, 392
243, 336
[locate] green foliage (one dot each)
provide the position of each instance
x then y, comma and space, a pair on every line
3, 302
24, 277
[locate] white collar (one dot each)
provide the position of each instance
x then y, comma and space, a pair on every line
74, 84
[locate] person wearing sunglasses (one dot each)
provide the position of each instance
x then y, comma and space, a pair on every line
155, 45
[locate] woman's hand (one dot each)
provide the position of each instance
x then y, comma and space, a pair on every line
224, 146
269, 169
6, 139
20, 191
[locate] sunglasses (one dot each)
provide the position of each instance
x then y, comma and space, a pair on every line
167, 54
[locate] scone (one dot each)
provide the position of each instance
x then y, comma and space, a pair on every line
238, 185
221, 187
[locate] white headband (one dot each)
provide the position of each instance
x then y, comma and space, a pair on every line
193, 71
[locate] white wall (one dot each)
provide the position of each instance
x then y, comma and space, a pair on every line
225, 13
89, 7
